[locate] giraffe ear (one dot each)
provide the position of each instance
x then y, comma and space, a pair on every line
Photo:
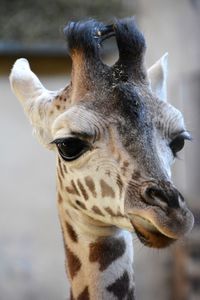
24, 83
157, 75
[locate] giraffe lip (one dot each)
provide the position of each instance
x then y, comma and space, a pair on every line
149, 234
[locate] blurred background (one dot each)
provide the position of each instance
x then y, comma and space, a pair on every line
31, 249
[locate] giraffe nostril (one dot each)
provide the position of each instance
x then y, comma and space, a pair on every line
164, 198
153, 192
155, 196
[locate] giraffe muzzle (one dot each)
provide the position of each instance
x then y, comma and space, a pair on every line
159, 214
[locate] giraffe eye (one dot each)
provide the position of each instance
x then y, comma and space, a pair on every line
178, 143
71, 148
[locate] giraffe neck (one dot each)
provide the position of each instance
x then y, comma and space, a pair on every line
99, 258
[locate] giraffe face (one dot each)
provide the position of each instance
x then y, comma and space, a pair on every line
114, 163
114, 136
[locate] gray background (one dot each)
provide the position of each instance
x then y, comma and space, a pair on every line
31, 251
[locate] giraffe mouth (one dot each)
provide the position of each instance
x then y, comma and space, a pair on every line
149, 234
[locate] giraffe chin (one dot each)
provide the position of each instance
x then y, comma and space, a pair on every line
149, 235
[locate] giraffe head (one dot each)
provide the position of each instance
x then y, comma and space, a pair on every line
114, 134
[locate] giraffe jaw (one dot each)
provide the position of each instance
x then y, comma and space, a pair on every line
149, 234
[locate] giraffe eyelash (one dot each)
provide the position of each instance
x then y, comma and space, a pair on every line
71, 148
177, 143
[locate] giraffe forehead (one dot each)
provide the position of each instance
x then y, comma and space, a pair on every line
123, 107
77, 119
131, 109
122, 99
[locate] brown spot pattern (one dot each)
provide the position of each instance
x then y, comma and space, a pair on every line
84, 295
83, 191
90, 184
97, 210
106, 190
110, 211
74, 263
106, 250
60, 167
72, 189
60, 181
126, 164
71, 232
80, 204
60, 199
65, 169
119, 214
136, 175
120, 287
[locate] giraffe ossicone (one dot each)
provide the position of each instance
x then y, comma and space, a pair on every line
115, 140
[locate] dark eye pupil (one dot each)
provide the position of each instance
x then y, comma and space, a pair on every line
177, 144
71, 148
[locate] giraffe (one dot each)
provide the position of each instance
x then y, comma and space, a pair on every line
115, 138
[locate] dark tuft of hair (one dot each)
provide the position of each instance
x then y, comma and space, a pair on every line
130, 40
83, 35
87, 37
